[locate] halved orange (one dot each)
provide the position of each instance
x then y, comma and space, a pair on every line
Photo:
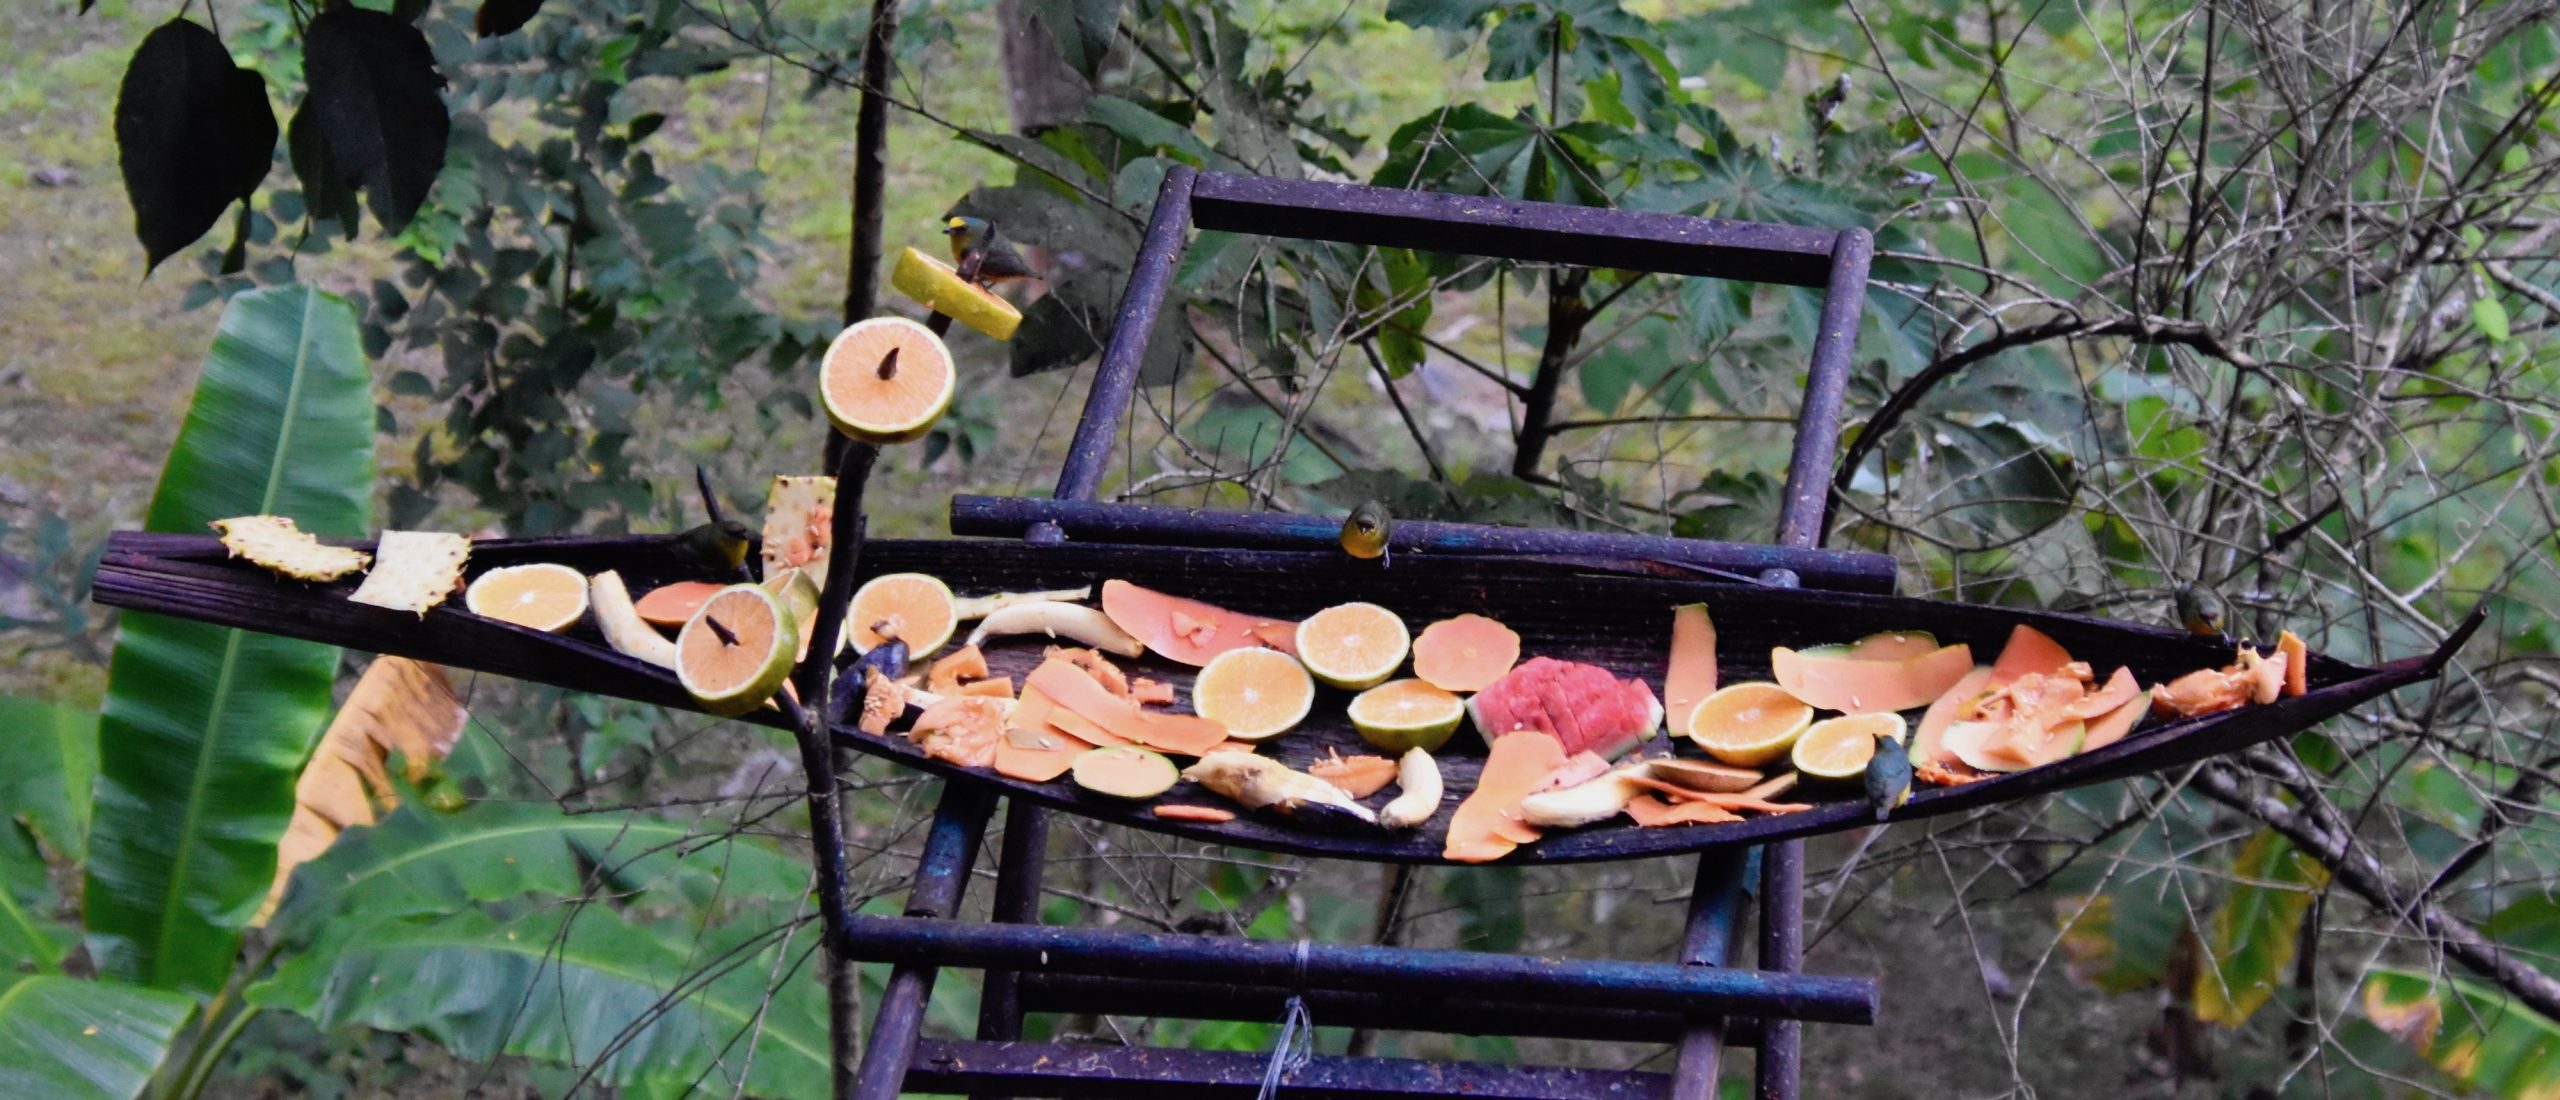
886, 380
543, 596
1750, 724
1353, 646
1839, 748
1406, 714
1255, 693
915, 608
737, 650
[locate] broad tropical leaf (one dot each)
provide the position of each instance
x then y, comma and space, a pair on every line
194, 133
2471, 1031
582, 985
31, 939
66, 1039
2257, 929
418, 862
47, 763
400, 708
205, 728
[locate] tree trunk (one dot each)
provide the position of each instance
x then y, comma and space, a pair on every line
1041, 89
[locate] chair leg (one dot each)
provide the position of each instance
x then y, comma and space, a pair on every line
1025, 858
1716, 896
942, 877
1781, 950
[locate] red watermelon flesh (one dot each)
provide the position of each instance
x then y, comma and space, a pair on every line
1585, 707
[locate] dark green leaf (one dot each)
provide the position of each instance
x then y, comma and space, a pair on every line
580, 985
67, 1039
205, 728
48, 761
502, 17
376, 92
326, 194
194, 134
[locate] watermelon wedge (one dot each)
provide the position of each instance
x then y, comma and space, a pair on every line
1586, 708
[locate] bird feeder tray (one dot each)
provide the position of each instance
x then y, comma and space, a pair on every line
1603, 617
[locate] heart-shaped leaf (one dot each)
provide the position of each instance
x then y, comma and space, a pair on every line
499, 17
375, 100
193, 134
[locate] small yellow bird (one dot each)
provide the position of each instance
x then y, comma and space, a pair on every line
1364, 533
2200, 611
980, 257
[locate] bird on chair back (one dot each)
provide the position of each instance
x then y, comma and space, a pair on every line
980, 256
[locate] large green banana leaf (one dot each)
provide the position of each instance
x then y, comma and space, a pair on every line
418, 862
205, 727
585, 985
67, 1039
48, 759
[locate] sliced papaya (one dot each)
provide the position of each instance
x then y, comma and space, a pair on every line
1486, 826
2109, 728
1076, 691
1358, 776
2297, 663
2028, 650
1036, 756
1466, 653
1691, 676
1653, 813
1184, 630
1854, 686
1183, 811
1927, 738
1890, 645
673, 605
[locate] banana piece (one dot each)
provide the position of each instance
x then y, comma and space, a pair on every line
966, 608
1597, 800
1055, 619
1262, 783
623, 628
1417, 791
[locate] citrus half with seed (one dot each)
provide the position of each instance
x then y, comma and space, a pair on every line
886, 380
1839, 748
1353, 646
1255, 693
914, 608
1400, 715
543, 596
1748, 724
735, 652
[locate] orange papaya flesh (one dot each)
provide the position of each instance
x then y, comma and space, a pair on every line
1854, 686
1486, 826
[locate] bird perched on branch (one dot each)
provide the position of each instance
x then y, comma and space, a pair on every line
980, 256
1364, 533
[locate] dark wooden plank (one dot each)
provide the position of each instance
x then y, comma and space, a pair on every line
1418, 543
1621, 623
1157, 1073
1538, 232
1204, 1000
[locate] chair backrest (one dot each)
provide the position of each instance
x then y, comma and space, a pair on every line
1834, 260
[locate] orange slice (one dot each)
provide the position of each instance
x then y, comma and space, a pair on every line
1748, 724
1465, 653
1839, 748
1353, 646
1255, 693
935, 286
886, 380
543, 596
737, 650
913, 607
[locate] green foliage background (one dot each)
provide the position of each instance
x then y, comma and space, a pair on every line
2167, 295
